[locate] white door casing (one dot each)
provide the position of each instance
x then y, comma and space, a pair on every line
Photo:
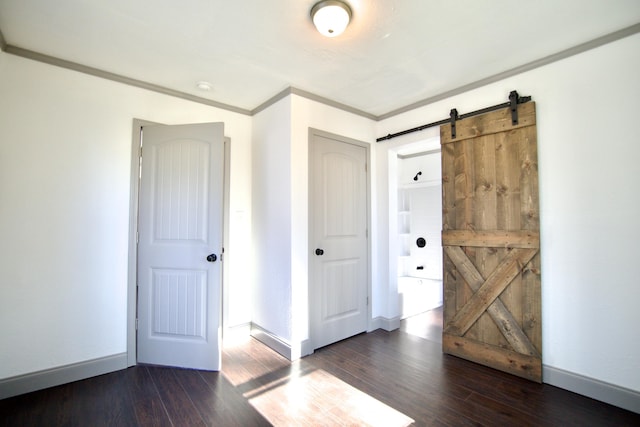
180, 225
339, 261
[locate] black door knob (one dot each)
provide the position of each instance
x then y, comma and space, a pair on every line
212, 258
319, 252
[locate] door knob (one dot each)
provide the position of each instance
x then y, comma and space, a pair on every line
212, 258
319, 252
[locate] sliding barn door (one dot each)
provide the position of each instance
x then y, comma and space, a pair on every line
491, 243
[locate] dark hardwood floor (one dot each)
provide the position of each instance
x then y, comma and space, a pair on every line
427, 325
381, 378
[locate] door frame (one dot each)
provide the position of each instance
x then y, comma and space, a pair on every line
132, 272
368, 203
426, 141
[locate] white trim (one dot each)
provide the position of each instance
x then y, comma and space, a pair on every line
385, 323
132, 270
271, 340
421, 184
279, 345
225, 256
236, 332
61, 375
609, 393
306, 348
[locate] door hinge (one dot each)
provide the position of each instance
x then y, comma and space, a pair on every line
365, 166
367, 301
137, 237
136, 324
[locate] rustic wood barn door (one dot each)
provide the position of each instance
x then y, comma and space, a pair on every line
490, 236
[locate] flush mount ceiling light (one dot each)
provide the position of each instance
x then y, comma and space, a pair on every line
331, 17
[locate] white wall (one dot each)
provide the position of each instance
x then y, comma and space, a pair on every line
65, 160
280, 215
587, 107
271, 268
310, 114
387, 173
422, 201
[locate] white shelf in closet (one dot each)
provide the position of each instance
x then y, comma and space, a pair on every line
419, 184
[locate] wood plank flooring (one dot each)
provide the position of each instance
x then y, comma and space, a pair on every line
371, 379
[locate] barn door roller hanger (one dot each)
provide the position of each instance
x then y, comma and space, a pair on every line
514, 100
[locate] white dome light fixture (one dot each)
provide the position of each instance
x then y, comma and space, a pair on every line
331, 17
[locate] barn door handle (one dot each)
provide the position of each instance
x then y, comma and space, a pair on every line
212, 258
319, 252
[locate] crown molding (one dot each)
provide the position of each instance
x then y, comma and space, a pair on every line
313, 97
269, 102
3, 41
331, 103
74, 66
592, 44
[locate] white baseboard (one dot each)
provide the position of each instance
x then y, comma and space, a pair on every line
595, 389
286, 349
61, 375
384, 323
306, 348
236, 332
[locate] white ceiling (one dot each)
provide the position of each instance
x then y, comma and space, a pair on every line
395, 52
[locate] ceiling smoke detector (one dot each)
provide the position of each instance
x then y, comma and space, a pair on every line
204, 86
331, 17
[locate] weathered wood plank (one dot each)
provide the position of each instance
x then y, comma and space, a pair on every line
449, 288
465, 293
449, 273
493, 122
484, 212
492, 238
532, 305
484, 218
507, 182
503, 319
448, 188
464, 186
528, 367
490, 290
508, 212
530, 215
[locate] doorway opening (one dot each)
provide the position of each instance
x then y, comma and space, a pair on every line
415, 236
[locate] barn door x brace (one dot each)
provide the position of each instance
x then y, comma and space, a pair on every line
514, 100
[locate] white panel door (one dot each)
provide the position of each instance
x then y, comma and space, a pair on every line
339, 255
180, 243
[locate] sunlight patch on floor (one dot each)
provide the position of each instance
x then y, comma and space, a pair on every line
319, 398
298, 393
427, 325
